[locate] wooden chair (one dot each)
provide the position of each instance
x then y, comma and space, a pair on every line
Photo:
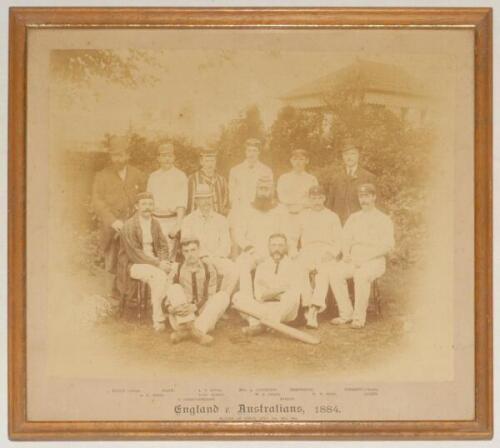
139, 306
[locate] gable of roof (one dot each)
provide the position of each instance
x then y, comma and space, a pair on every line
375, 76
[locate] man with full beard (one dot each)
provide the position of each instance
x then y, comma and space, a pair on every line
255, 225
113, 199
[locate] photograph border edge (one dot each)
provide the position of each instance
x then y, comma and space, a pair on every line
21, 19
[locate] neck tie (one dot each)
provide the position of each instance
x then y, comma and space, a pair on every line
277, 267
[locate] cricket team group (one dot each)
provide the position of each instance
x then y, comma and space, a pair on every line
267, 246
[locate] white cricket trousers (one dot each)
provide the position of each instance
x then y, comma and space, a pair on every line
363, 277
208, 315
167, 224
309, 259
229, 273
245, 264
158, 284
284, 310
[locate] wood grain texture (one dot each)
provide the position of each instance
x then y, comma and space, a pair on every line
480, 19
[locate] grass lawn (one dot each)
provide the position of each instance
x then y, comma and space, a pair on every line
341, 349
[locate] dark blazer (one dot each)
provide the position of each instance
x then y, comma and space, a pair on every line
131, 252
112, 199
343, 192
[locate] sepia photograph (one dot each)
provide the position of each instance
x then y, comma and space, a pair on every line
250, 225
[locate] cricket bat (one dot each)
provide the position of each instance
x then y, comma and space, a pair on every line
278, 326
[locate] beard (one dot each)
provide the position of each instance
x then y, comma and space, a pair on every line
277, 255
263, 203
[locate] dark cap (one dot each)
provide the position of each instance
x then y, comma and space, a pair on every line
349, 145
208, 152
143, 195
366, 189
316, 190
253, 142
166, 149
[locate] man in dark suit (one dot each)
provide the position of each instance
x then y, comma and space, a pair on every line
343, 193
113, 198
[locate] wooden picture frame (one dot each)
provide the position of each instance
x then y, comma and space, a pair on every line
22, 20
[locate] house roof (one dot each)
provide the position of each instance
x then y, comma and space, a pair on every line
375, 76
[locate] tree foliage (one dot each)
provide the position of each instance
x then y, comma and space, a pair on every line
122, 67
395, 151
230, 144
297, 129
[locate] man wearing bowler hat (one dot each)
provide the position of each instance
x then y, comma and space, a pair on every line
207, 175
368, 236
212, 231
113, 198
144, 256
343, 194
168, 185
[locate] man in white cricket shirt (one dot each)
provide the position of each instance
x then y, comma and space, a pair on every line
243, 179
293, 191
320, 241
276, 293
264, 217
169, 186
368, 236
212, 230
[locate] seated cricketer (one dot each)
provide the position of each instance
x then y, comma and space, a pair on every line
143, 256
212, 230
320, 240
193, 304
276, 287
368, 236
262, 219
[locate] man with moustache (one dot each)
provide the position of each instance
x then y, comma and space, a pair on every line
293, 191
212, 231
144, 256
343, 194
113, 198
263, 218
276, 293
169, 187
320, 240
368, 236
193, 303
207, 175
